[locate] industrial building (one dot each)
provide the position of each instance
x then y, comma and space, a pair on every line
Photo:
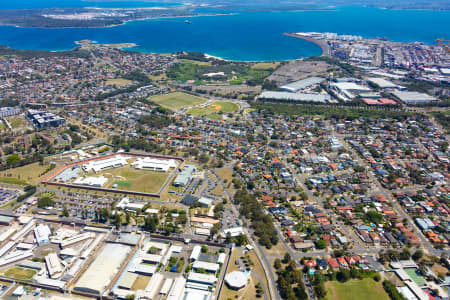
412, 98
302, 84
293, 97
101, 271
42, 119
383, 83
348, 90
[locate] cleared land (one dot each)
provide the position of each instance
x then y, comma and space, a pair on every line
366, 289
265, 65
17, 122
177, 100
20, 273
140, 283
130, 179
29, 174
196, 62
214, 109
118, 82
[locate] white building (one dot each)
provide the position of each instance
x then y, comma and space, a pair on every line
41, 234
236, 280
53, 264
148, 163
107, 163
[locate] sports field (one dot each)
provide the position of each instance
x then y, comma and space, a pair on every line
130, 179
366, 289
415, 277
214, 109
178, 100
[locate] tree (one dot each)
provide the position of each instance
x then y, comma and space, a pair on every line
343, 275
45, 201
241, 240
320, 290
417, 255
286, 258
65, 211
277, 264
204, 249
321, 244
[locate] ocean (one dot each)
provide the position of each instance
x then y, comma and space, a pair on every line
246, 36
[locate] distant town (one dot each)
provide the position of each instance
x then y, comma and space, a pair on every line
128, 175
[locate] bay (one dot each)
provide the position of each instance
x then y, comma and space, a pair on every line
246, 36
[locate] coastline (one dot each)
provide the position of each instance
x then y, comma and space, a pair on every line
123, 22
323, 45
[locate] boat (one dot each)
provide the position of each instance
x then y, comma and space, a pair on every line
187, 22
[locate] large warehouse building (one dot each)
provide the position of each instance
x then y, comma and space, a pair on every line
411, 98
101, 271
302, 84
292, 97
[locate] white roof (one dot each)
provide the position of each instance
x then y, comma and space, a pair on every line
151, 257
234, 231
206, 265
166, 286
177, 290
91, 180
350, 86
101, 164
221, 258
154, 164
304, 97
382, 83
413, 97
100, 272
53, 265
236, 279
41, 233
202, 278
195, 252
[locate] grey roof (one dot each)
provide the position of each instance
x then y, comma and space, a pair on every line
302, 84
413, 97
286, 96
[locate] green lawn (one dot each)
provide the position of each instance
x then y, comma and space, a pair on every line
212, 111
178, 100
130, 179
366, 289
29, 174
20, 273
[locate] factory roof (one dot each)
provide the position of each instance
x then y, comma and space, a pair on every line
302, 84
414, 97
286, 96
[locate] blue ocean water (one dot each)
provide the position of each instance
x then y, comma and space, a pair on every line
255, 36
